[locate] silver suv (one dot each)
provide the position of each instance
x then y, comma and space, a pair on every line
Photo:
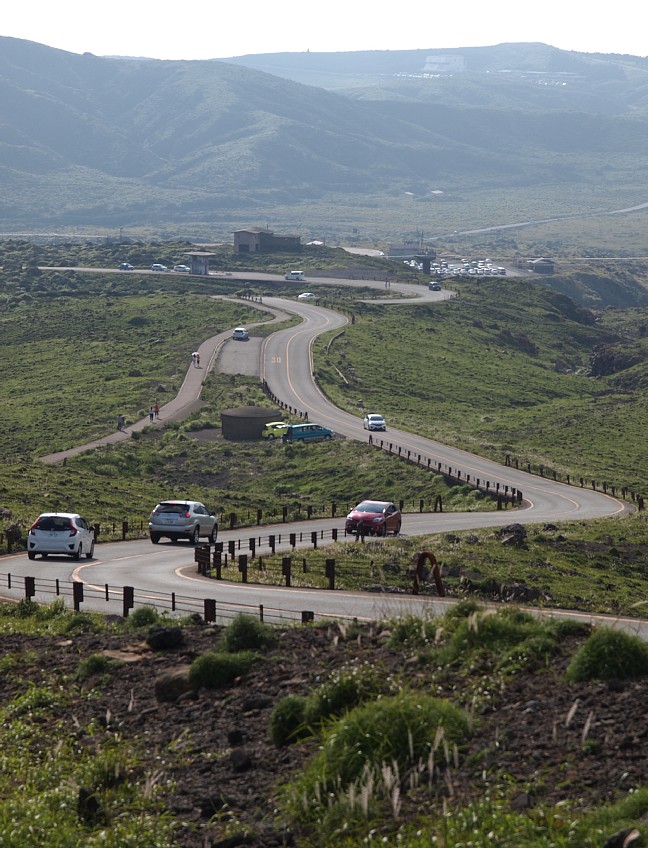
182, 520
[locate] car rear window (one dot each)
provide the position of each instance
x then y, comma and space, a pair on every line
177, 509
53, 522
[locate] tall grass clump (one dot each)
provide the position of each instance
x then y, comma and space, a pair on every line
609, 654
143, 617
95, 664
371, 752
508, 639
216, 669
346, 689
288, 720
246, 633
413, 632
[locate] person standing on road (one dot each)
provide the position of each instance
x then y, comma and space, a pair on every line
121, 423
197, 359
151, 414
156, 409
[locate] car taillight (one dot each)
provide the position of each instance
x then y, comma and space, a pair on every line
33, 527
187, 515
73, 530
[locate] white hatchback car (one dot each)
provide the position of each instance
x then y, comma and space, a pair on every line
374, 422
307, 296
240, 334
64, 533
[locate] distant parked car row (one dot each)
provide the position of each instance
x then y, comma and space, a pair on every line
156, 266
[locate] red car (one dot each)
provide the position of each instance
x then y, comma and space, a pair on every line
374, 518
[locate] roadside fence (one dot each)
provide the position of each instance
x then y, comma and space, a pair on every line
121, 600
234, 563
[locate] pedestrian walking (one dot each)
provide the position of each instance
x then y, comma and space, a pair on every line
156, 409
197, 359
151, 414
193, 359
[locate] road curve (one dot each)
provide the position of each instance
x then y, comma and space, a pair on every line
286, 365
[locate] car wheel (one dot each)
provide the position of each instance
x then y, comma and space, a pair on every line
31, 555
195, 536
213, 535
90, 553
327, 438
155, 538
76, 556
397, 530
270, 436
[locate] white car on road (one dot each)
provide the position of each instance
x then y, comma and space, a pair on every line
374, 422
65, 533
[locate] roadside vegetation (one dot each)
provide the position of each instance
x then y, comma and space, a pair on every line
412, 734
473, 728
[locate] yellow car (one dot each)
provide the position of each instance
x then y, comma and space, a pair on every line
274, 430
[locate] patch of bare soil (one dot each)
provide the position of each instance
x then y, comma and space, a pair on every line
554, 741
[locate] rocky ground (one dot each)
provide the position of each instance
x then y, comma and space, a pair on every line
555, 741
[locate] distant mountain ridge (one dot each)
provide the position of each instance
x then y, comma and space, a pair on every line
86, 139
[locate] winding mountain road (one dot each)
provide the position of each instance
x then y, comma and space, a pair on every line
284, 360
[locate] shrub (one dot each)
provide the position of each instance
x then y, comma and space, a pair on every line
93, 665
213, 670
287, 722
411, 631
609, 654
143, 617
246, 633
344, 691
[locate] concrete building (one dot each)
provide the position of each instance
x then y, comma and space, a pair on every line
262, 240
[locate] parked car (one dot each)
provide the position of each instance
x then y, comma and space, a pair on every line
433, 286
240, 334
126, 266
183, 269
182, 520
274, 430
307, 296
158, 267
374, 422
64, 533
306, 433
374, 518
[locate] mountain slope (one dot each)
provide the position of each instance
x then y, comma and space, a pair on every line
104, 140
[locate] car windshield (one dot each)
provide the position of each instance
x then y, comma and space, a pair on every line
177, 509
370, 506
375, 418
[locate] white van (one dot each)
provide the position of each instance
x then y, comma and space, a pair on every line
294, 275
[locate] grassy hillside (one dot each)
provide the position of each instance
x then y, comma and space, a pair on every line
503, 369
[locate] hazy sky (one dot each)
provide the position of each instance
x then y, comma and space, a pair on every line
201, 30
